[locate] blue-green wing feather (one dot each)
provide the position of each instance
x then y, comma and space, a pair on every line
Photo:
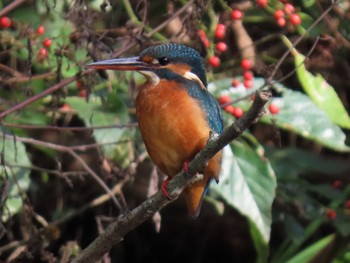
209, 105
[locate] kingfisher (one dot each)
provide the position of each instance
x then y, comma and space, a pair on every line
175, 111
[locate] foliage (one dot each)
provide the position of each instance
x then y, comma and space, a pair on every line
285, 178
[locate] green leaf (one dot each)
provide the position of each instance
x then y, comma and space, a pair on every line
248, 184
321, 93
292, 162
312, 251
297, 113
17, 178
300, 115
94, 113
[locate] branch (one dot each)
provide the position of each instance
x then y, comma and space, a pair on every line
37, 97
11, 6
128, 221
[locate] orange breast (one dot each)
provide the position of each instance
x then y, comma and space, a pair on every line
172, 123
174, 128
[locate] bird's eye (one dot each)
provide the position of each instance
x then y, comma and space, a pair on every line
163, 61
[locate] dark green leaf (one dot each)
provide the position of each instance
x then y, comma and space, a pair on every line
247, 183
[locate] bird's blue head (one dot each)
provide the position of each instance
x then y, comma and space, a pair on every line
167, 61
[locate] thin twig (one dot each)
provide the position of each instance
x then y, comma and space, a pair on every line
68, 150
37, 97
166, 22
58, 128
11, 6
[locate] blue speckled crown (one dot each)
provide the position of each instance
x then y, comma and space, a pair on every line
177, 53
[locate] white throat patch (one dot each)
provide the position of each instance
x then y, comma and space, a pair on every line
151, 76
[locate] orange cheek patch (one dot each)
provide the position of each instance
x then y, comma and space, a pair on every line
147, 59
180, 69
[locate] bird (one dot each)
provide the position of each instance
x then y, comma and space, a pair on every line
175, 112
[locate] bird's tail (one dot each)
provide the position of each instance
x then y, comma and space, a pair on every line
194, 193
194, 196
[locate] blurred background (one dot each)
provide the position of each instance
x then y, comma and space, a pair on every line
284, 193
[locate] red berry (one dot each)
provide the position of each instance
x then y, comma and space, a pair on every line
201, 34
47, 42
238, 112
331, 213
224, 99
40, 30
221, 46
236, 14
214, 61
262, 3
347, 204
220, 31
235, 83
274, 109
337, 184
279, 13
206, 43
289, 8
248, 75
5, 22
295, 19
83, 93
79, 84
246, 64
229, 109
221, 27
43, 52
203, 38
248, 83
65, 107
281, 22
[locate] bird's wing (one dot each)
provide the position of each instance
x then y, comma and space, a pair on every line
210, 106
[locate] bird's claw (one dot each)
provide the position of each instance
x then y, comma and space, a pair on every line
185, 168
164, 188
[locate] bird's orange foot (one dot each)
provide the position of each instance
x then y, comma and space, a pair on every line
185, 167
164, 188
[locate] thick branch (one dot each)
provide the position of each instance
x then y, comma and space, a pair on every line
128, 221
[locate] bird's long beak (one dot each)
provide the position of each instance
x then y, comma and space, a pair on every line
132, 63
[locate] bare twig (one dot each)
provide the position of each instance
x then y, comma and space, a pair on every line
11, 6
37, 97
59, 128
68, 150
128, 221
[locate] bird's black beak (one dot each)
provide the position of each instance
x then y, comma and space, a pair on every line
132, 63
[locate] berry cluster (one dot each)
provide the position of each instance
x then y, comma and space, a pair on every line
46, 44
331, 213
287, 12
219, 34
6, 22
248, 76
236, 112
